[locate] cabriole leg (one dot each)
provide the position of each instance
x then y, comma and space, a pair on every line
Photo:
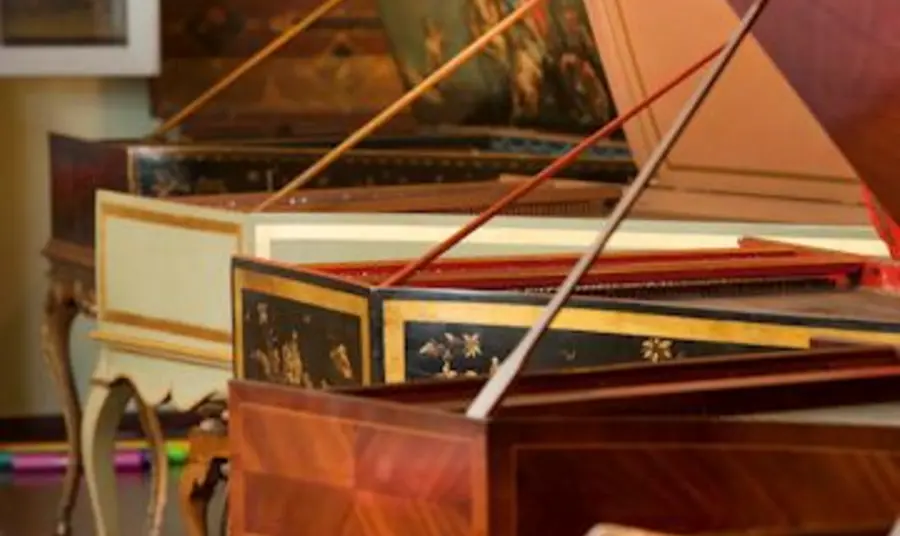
60, 309
160, 475
103, 412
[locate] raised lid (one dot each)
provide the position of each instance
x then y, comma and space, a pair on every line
840, 57
331, 77
545, 73
754, 138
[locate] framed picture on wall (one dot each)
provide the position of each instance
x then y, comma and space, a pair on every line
79, 37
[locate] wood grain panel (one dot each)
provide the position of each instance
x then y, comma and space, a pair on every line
327, 459
699, 476
312, 77
432, 469
841, 59
353, 474
753, 136
703, 204
537, 474
272, 511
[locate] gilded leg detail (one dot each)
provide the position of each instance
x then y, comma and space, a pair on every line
60, 308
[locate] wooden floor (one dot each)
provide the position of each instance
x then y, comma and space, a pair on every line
28, 505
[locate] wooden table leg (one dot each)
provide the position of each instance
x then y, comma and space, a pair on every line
60, 309
201, 474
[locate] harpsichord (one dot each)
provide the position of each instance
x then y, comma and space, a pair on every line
688, 447
463, 316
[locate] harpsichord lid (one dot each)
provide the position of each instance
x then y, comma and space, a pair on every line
544, 73
755, 141
840, 57
331, 77
359, 58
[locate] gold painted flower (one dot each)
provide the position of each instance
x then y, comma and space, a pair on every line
471, 345
656, 350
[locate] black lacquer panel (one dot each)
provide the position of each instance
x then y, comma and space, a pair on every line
451, 350
299, 344
162, 174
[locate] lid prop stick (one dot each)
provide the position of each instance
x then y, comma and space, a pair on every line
402, 275
400, 104
493, 392
226, 81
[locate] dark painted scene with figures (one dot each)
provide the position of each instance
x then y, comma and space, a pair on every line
284, 343
544, 73
449, 268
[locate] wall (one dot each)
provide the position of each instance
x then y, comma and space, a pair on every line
28, 110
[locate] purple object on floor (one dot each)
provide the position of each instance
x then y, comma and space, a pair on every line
125, 461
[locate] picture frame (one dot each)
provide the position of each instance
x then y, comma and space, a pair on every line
80, 38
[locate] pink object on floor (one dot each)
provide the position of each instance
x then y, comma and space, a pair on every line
124, 461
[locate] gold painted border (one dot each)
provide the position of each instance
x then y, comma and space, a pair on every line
398, 312
110, 210
626, 51
173, 327
300, 292
161, 350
